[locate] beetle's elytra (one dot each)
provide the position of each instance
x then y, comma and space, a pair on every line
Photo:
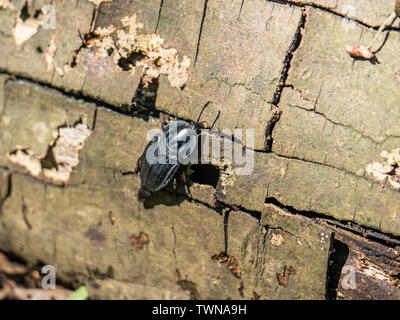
177, 142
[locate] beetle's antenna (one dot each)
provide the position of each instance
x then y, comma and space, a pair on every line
80, 35
219, 112
201, 112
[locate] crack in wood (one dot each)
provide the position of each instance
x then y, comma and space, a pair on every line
374, 235
376, 142
6, 182
200, 32
226, 219
159, 15
287, 61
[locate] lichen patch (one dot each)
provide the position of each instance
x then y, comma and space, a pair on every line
387, 171
63, 152
284, 274
233, 266
277, 239
140, 241
228, 175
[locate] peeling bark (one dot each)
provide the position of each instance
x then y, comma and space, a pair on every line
321, 121
61, 157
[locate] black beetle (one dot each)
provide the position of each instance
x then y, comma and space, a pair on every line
176, 144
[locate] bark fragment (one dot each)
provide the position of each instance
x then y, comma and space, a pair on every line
132, 49
63, 154
386, 171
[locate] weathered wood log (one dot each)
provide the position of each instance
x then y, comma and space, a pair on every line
75, 112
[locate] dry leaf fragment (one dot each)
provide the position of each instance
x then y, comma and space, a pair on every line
233, 266
139, 241
112, 217
356, 50
283, 276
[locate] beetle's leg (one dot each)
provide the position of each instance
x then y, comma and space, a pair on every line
174, 187
164, 120
137, 169
182, 177
80, 35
